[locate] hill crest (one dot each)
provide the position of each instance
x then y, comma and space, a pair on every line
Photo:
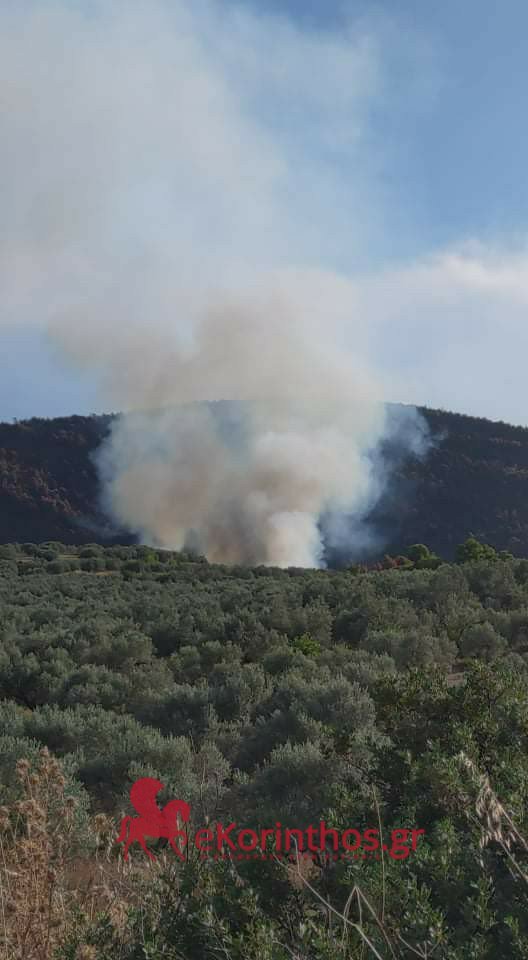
473, 480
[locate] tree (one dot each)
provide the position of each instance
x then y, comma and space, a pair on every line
351, 627
472, 550
307, 645
422, 557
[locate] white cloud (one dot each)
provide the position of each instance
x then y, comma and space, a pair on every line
452, 330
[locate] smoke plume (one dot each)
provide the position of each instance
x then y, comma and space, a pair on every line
246, 481
164, 224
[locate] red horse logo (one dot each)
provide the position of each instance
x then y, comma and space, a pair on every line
153, 822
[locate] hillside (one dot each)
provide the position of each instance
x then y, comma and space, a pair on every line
474, 479
48, 480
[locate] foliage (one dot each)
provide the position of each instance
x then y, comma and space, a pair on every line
395, 697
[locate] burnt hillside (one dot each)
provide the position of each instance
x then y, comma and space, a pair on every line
473, 480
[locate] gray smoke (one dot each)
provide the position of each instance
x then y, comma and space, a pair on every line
162, 222
306, 416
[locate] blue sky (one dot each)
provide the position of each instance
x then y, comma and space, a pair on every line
453, 130
399, 161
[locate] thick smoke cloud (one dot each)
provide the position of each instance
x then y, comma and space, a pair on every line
247, 481
163, 222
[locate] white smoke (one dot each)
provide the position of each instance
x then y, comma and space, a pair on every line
162, 217
307, 416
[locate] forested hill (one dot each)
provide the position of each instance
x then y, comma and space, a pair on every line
48, 480
473, 480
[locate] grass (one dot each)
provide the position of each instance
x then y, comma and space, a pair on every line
46, 880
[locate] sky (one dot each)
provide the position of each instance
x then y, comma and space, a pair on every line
383, 143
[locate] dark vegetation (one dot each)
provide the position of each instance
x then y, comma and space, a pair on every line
48, 480
473, 480
263, 695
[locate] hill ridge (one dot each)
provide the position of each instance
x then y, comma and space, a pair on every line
473, 480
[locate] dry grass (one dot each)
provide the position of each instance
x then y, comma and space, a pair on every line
496, 824
46, 883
